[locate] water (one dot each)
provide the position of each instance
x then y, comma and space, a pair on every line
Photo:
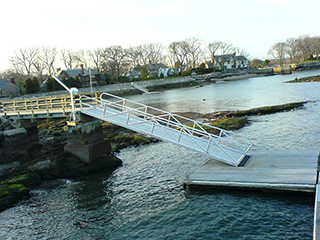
145, 199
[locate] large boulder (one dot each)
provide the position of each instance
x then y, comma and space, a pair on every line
15, 137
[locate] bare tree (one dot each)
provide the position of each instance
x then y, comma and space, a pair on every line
24, 60
153, 52
194, 47
69, 58
304, 46
241, 52
11, 74
291, 49
115, 57
180, 52
213, 48
47, 55
16, 65
226, 48
97, 57
83, 58
135, 56
279, 52
39, 67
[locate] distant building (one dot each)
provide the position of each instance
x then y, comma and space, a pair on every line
230, 61
154, 70
84, 75
133, 73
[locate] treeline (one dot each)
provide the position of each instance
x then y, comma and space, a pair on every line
297, 50
113, 61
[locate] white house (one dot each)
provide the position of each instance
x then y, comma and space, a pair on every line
230, 61
154, 70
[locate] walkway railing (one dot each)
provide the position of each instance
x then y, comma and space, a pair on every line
216, 142
40, 107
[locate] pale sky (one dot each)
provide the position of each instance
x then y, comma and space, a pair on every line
253, 25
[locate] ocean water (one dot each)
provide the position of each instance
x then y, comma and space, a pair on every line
145, 198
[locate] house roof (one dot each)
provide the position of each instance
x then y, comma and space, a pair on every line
86, 72
72, 72
3, 84
241, 57
156, 66
228, 56
9, 87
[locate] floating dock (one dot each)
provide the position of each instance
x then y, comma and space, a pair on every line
280, 171
291, 171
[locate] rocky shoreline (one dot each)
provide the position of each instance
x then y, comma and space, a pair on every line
305, 79
31, 164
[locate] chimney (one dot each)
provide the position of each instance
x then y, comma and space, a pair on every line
81, 67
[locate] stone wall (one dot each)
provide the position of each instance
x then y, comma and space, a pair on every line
118, 88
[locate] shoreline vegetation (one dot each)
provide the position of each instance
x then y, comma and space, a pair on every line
46, 159
235, 120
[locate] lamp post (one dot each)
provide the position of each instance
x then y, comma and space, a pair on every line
72, 91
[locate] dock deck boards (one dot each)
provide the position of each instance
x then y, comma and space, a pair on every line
283, 170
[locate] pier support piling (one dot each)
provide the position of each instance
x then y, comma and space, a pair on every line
86, 140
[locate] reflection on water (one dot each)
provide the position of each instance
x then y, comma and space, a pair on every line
144, 199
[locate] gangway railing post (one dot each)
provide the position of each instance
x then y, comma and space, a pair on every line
153, 123
180, 134
104, 110
209, 142
194, 125
145, 112
128, 116
123, 105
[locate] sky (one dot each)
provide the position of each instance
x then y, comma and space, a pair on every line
252, 25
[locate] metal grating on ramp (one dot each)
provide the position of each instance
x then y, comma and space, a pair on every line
217, 143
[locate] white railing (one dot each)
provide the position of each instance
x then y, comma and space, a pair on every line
137, 113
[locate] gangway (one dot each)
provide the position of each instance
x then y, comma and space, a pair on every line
142, 89
219, 144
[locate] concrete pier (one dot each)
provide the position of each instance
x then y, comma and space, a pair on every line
86, 140
280, 171
31, 127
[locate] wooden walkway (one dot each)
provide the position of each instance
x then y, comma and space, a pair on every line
58, 106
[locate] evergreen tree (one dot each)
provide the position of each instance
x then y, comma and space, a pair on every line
32, 86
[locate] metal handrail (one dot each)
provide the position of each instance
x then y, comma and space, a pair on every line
175, 116
169, 120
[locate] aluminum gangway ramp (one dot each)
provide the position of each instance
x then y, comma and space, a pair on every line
217, 143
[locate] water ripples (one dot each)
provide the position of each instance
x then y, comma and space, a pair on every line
145, 199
